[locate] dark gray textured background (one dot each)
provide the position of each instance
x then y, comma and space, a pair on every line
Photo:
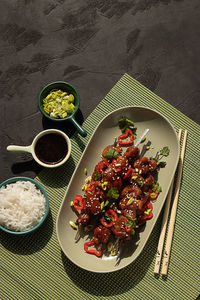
91, 44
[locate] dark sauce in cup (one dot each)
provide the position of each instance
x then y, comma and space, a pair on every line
51, 148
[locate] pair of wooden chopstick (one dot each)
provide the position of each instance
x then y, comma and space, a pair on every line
167, 250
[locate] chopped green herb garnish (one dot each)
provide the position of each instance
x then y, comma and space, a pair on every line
156, 187
97, 175
111, 153
107, 218
131, 223
132, 232
140, 181
112, 196
164, 152
113, 193
125, 124
58, 104
146, 194
161, 164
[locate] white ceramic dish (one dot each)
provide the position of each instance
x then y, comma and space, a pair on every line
161, 134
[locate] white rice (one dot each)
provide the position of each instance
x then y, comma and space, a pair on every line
22, 206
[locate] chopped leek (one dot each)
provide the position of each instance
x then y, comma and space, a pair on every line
73, 225
59, 104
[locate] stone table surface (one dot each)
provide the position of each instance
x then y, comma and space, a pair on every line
91, 44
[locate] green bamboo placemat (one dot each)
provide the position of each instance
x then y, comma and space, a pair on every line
34, 267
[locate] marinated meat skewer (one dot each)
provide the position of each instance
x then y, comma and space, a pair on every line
118, 196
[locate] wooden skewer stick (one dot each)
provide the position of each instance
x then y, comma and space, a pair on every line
173, 211
142, 136
78, 234
164, 223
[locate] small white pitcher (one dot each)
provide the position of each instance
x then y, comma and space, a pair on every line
31, 149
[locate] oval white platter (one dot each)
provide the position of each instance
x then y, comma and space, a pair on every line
161, 134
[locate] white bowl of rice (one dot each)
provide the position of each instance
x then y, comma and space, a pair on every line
24, 205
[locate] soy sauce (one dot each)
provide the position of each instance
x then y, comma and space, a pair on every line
51, 148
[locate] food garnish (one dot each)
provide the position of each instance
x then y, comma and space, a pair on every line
124, 124
130, 225
164, 152
109, 218
96, 252
59, 104
148, 214
74, 226
121, 139
111, 153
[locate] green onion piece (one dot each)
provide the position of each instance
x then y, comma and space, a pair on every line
102, 205
106, 203
74, 226
147, 212
58, 104
130, 201
88, 179
84, 187
132, 232
104, 185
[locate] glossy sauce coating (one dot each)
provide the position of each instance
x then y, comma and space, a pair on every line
133, 178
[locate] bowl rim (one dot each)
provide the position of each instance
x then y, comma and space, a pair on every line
38, 185
48, 86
